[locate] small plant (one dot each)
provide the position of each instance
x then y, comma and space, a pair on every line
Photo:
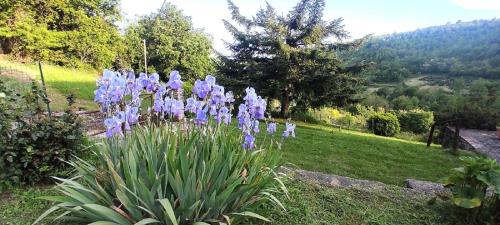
33, 146
469, 185
385, 124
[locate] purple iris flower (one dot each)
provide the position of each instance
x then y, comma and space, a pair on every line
201, 117
229, 98
271, 128
174, 81
132, 114
256, 126
113, 126
177, 108
167, 105
152, 83
249, 142
289, 130
223, 115
143, 80
210, 80
190, 105
158, 105
201, 89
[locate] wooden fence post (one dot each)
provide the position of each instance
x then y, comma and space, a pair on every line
457, 136
431, 133
45, 89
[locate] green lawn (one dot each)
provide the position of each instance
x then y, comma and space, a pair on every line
312, 204
365, 156
61, 81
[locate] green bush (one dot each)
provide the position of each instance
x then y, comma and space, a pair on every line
468, 185
171, 174
416, 120
385, 124
33, 146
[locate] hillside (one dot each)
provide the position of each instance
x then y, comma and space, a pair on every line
470, 49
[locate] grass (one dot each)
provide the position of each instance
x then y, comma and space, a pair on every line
311, 204
20, 206
60, 81
366, 156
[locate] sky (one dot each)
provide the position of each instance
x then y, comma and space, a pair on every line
361, 17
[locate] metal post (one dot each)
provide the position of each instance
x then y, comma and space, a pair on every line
145, 59
45, 89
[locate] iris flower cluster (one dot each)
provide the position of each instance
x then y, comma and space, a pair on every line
111, 95
208, 100
250, 112
168, 98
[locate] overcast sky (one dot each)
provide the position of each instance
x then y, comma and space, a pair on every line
361, 17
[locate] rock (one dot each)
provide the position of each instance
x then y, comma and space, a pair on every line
426, 186
331, 180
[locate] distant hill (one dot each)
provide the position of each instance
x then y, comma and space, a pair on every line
459, 49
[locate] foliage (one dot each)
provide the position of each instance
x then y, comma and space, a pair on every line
469, 184
375, 101
290, 58
34, 146
387, 71
62, 32
476, 107
338, 117
405, 103
173, 174
417, 121
459, 49
385, 124
171, 43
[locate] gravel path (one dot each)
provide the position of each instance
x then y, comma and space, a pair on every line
483, 142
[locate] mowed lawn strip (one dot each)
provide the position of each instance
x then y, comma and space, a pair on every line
365, 156
61, 81
313, 204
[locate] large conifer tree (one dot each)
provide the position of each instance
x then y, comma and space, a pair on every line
291, 58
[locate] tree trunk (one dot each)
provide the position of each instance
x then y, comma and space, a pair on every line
285, 104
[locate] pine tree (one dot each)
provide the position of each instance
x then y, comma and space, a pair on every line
291, 58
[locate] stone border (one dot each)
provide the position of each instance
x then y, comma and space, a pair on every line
427, 188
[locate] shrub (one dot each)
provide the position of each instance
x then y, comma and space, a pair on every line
417, 121
469, 183
169, 175
385, 124
33, 146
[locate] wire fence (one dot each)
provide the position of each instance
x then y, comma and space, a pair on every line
57, 83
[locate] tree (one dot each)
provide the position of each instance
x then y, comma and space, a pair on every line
172, 44
291, 58
62, 32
